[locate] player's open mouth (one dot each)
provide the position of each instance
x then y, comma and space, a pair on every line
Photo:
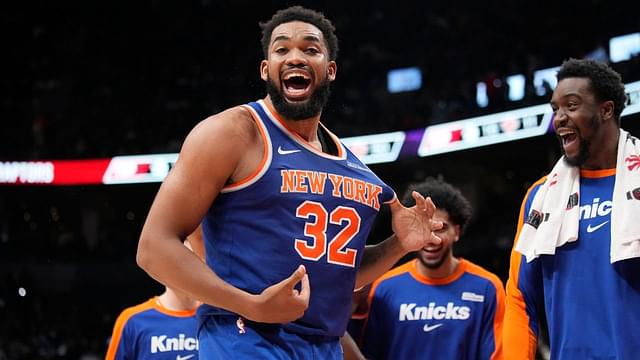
296, 85
569, 138
432, 249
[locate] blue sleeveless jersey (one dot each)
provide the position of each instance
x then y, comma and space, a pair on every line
149, 331
592, 306
302, 206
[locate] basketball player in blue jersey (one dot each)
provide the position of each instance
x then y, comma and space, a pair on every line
577, 263
285, 209
436, 306
163, 327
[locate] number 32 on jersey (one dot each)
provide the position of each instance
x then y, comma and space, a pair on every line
317, 219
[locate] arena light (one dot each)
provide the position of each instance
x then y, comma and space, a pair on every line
404, 79
516, 86
482, 100
633, 99
624, 47
540, 77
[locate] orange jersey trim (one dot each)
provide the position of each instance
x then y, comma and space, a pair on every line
459, 271
402, 269
283, 124
393, 200
177, 313
597, 173
516, 319
498, 320
266, 156
116, 336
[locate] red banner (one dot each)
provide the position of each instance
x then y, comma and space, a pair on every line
57, 172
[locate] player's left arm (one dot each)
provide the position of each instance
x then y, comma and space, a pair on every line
412, 230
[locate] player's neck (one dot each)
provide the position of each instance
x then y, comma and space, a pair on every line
448, 267
173, 301
607, 155
306, 128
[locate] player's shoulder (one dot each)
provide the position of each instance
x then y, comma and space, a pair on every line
483, 273
131, 312
234, 118
533, 188
394, 273
234, 126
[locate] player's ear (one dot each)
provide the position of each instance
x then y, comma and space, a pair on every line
606, 110
264, 70
332, 69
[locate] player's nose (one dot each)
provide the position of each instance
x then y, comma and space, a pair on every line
296, 57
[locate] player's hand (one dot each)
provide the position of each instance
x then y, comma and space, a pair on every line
415, 226
282, 302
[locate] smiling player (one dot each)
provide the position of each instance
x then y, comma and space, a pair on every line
577, 249
285, 208
437, 306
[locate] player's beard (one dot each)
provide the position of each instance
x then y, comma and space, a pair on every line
303, 110
583, 151
436, 264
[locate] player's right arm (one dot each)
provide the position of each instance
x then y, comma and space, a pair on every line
524, 295
224, 148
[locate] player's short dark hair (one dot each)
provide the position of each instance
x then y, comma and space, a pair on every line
606, 83
299, 13
446, 197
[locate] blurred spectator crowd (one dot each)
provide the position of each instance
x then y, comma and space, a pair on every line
101, 79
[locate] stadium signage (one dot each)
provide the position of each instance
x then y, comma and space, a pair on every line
371, 149
379, 148
485, 130
26, 172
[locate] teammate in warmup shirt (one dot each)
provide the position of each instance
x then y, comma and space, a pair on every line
163, 327
576, 256
285, 208
436, 306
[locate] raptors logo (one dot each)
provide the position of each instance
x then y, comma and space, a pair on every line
634, 162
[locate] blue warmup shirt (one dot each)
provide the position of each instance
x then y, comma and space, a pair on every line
592, 307
415, 317
150, 331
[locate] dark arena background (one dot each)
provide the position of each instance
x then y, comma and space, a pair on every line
451, 89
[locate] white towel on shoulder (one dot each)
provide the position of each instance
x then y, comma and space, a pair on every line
555, 212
